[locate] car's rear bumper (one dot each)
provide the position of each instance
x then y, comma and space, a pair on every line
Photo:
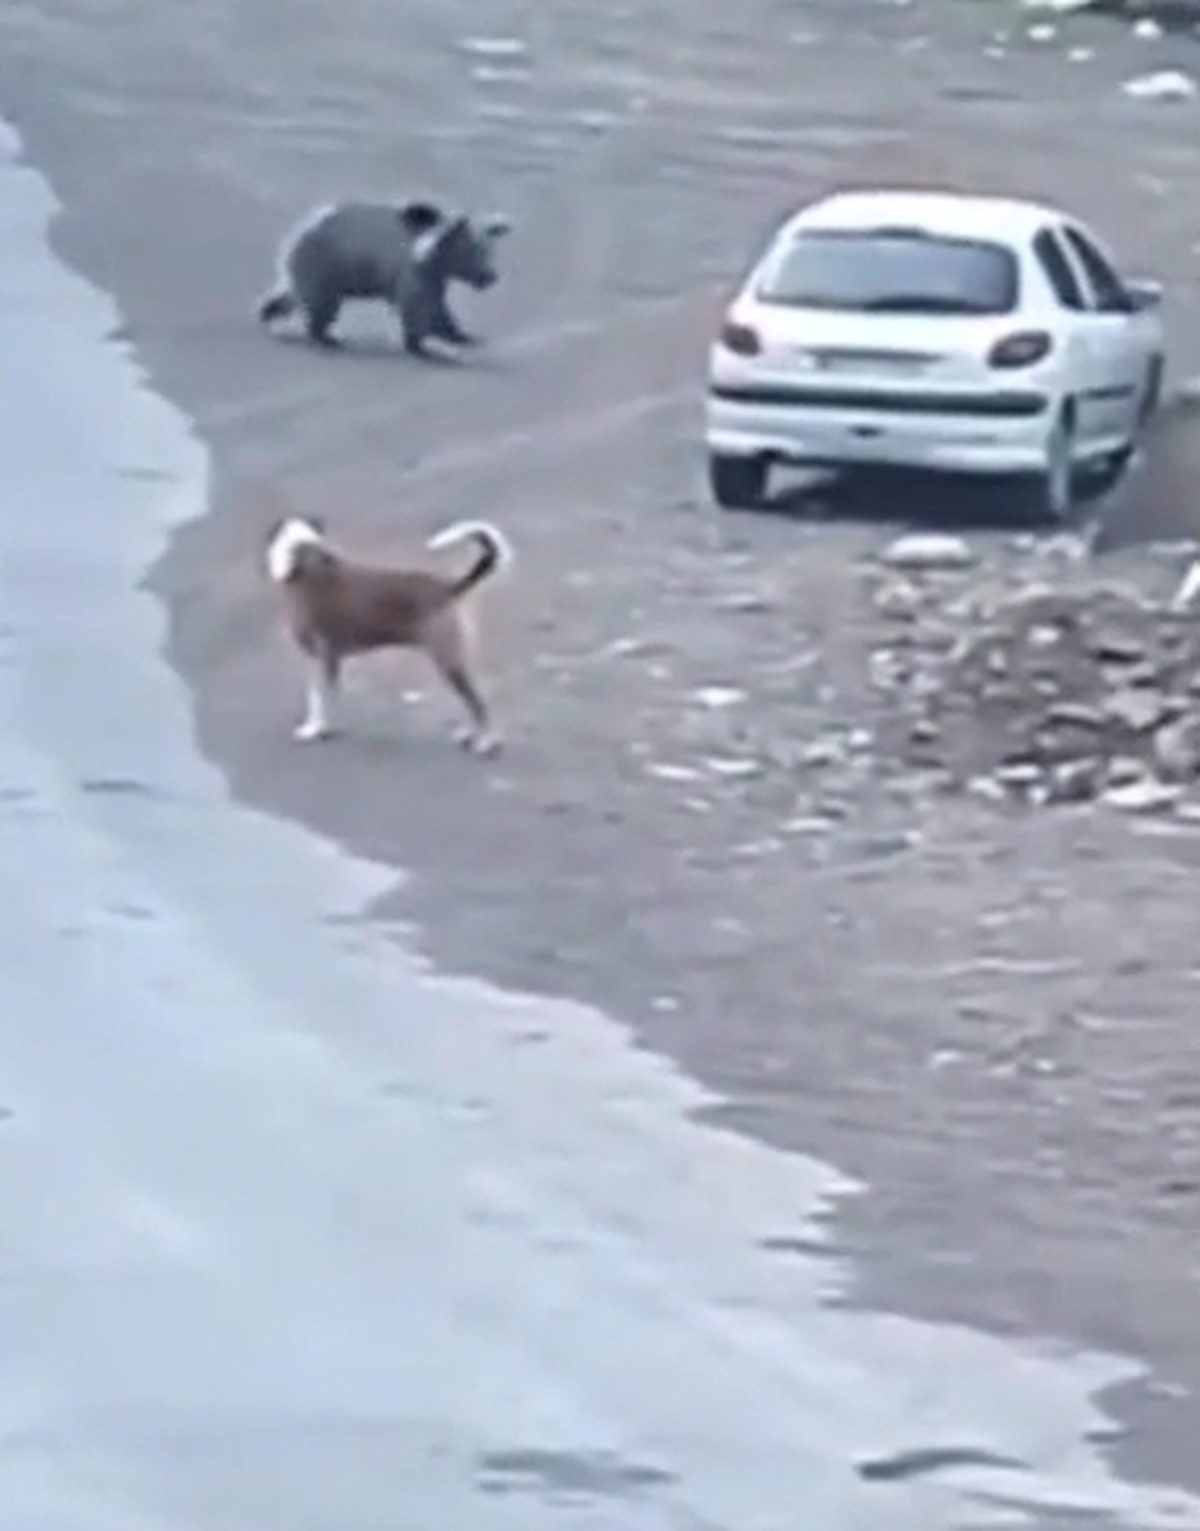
992, 434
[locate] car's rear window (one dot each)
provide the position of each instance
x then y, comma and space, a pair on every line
892, 271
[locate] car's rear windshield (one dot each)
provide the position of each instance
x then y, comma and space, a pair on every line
899, 271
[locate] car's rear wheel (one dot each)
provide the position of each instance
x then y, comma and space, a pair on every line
1105, 475
1051, 493
1151, 394
737, 483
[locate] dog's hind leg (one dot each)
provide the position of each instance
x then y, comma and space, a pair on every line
446, 646
479, 735
321, 691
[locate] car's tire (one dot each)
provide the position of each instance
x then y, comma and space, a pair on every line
1151, 394
737, 483
1051, 494
1101, 477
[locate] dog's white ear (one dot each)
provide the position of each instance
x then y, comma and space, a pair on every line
495, 226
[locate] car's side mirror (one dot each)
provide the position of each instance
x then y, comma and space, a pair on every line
1144, 293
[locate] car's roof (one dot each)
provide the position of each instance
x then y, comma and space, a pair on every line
942, 212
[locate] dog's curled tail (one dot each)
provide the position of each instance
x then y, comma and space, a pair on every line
495, 552
278, 304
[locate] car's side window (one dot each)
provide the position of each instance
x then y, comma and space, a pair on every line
1058, 271
1108, 290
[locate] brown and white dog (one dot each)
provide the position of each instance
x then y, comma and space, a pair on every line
337, 609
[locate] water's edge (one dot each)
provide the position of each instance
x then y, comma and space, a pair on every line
278, 1156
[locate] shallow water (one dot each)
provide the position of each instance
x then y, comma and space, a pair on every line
293, 1233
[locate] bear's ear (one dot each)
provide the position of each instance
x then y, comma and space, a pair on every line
428, 246
419, 217
495, 226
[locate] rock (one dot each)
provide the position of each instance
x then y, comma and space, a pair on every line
733, 768
1162, 85
1043, 635
899, 599
887, 669
929, 550
995, 661
1147, 29
717, 698
1075, 715
935, 635
663, 770
823, 752
1075, 781
1124, 769
632, 648
1148, 795
1177, 749
1019, 774
1143, 674
1113, 646
987, 787
749, 603
1189, 588
1138, 710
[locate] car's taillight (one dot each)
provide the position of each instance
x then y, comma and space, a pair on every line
1021, 349
741, 339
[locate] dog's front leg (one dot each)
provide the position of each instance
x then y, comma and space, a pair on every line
320, 692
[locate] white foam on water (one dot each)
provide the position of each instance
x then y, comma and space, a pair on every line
293, 1232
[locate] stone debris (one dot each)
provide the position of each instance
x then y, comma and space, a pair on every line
717, 698
1043, 695
1189, 589
929, 550
1162, 85
1143, 796
734, 768
663, 770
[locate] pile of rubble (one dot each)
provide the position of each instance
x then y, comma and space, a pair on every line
1041, 693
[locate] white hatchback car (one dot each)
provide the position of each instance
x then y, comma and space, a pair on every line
965, 334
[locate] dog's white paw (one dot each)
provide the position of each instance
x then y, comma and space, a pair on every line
311, 731
486, 745
478, 743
